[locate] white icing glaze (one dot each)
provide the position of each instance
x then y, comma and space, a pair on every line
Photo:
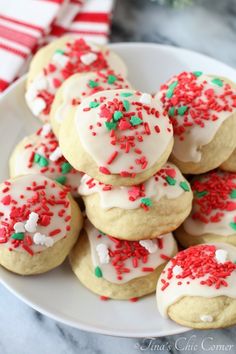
78, 88
45, 144
195, 136
108, 270
155, 188
33, 223
173, 292
96, 141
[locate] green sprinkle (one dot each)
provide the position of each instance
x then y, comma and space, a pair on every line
43, 162
111, 125
201, 194
93, 84
197, 73
135, 120
18, 236
66, 167
94, 104
126, 94
126, 105
98, 272
111, 79
170, 180
37, 158
59, 51
146, 201
184, 185
217, 82
182, 110
233, 225
171, 88
61, 179
117, 115
171, 111
100, 232
233, 194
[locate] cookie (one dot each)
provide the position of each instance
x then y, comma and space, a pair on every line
118, 137
56, 62
202, 109
197, 287
39, 224
79, 86
230, 163
213, 216
119, 269
157, 206
40, 153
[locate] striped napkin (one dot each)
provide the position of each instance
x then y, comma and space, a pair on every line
26, 25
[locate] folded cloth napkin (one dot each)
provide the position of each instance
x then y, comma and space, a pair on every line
26, 25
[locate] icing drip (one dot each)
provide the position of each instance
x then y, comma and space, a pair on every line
41, 154
86, 85
201, 275
214, 205
197, 105
168, 182
126, 260
34, 214
123, 135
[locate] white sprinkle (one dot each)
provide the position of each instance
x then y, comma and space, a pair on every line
60, 59
177, 270
146, 98
40, 239
19, 227
41, 151
31, 223
56, 154
45, 129
89, 58
221, 256
103, 253
206, 318
40, 83
94, 48
31, 93
149, 245
38, 105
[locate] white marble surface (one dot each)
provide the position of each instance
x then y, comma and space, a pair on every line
208, 27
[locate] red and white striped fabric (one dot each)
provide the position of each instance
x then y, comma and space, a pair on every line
27, 24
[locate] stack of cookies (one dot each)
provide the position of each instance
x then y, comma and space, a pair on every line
145, 166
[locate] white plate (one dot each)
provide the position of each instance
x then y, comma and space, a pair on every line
58, 294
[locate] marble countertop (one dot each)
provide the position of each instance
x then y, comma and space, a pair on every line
208, 27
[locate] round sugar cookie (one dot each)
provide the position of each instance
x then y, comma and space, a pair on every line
202, 109
230, 163
118, 137
56, 62
39, 224
119, 269
197, 287
157, 206
40, 153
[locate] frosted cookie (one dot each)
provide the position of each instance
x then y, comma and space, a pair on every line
40, 153
119, 269
230, 163
157, 206
197, 287
202, 109
118, 137
213, 216
79, 86
56, 62
39, 224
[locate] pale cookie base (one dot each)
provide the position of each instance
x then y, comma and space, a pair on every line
187, 240
230, 164
81, 263
162, 217
74, 152
22, 263
187, 311
214, 153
